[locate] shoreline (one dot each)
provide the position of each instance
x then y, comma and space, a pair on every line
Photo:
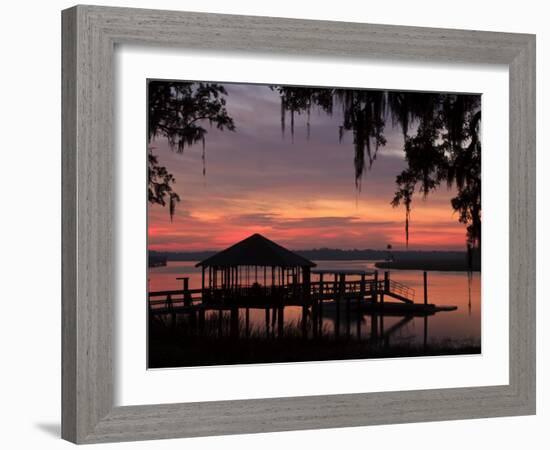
439, 266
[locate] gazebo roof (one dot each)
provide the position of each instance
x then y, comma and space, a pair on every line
256, 250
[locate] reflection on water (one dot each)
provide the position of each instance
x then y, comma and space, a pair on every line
444, 288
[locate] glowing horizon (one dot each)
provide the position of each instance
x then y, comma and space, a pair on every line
299, 192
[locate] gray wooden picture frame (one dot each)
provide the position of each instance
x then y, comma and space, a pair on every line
90, 34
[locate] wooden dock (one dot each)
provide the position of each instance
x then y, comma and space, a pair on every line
257, 273
333, 297
365, 295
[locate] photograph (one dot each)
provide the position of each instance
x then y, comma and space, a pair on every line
297, 223
259, 225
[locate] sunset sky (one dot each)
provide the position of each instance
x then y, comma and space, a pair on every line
300, 193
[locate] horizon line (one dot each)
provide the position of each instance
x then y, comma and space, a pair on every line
321, 249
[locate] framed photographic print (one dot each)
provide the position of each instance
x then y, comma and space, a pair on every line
282, 250
305, 218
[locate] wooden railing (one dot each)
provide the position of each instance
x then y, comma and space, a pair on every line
328, 289
401, 289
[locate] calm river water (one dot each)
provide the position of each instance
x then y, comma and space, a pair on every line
444, 288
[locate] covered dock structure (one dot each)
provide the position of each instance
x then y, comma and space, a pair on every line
256, 270
257, 273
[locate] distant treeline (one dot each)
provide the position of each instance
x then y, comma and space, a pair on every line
156, 260
433, 262
390, 259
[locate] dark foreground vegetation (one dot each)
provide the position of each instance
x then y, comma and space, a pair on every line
181, 346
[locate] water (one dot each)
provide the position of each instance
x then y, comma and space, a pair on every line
444, 288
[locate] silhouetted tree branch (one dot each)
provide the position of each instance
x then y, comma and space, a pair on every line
445, 148
177, 111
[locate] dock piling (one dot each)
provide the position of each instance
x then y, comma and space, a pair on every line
234, 323
375, 287
374, 327
425, 287
362, 288
425, 331
280, 321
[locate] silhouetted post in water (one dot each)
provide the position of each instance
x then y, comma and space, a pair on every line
425, 287
385, 339
171, 309
273, 319
425, 332
187, 300
348, 315
386, 285
338, 295
304, 321
234, 322
375, 290
306, 282
360, 300
321, 293
314, 312
374, 326
247, 322
281, 321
